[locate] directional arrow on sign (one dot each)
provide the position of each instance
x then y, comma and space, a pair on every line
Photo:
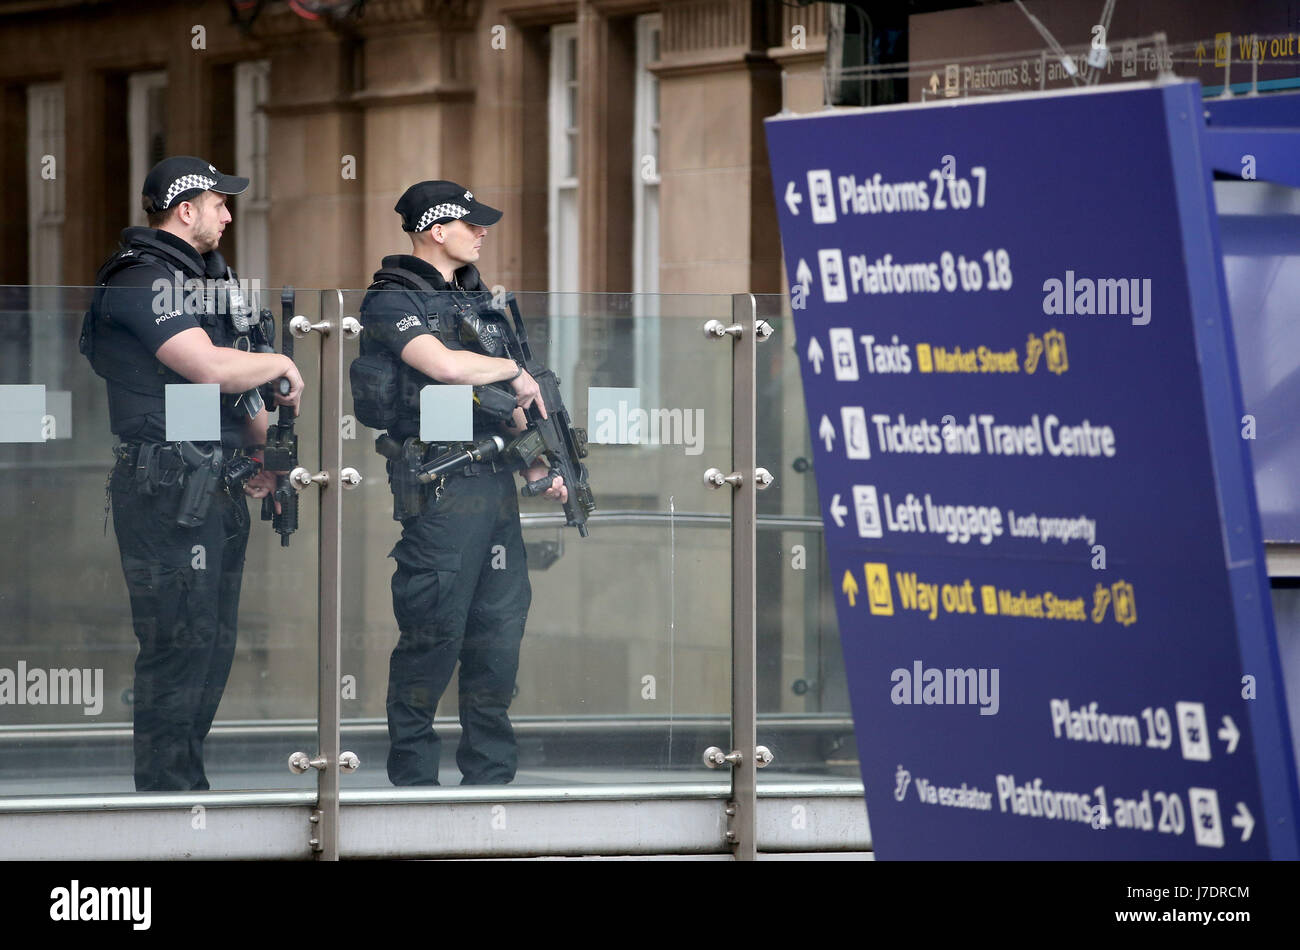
1243, 819
815, 355
934, 82
792, 198
1229, 734
826, 432
1200, 53
838, 511
850, 588
803, 274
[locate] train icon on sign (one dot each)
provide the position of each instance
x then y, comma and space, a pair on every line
831, 263
823, 201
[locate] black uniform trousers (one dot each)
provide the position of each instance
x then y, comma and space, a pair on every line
460, 592
184, 588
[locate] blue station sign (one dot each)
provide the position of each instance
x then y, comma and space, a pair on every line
1039, 509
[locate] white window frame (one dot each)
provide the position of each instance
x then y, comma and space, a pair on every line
646, 206
138, 87
48, 358
562, 127
45, 196
562, 187
645, 240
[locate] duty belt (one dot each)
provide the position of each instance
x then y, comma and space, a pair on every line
148, 466
153, 465
490, 467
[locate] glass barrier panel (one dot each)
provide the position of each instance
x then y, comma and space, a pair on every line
136, 653
623, 669
1258, 222
804, 716
1286, 619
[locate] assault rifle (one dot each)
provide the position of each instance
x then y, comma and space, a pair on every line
255, 333
555, 436
281, 453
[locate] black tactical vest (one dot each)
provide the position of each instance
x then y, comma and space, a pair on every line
136, 378
454, 315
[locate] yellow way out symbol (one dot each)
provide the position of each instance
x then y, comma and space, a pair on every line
879, 599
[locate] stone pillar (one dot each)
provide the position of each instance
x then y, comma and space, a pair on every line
799, 48
416, 95
315, 137
607, 84
96, 212
718, 230
189, 125
511, 146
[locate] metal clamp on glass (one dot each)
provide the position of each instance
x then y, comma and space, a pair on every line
300, 762
715, 758
300, 326
302, 478
716, 330
715, 479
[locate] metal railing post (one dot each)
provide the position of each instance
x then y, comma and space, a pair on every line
741, 809
331, 572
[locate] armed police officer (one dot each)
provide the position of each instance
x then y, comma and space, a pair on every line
167, 310
460, 590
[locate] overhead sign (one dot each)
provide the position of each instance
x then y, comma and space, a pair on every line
1038, 504
1246, 43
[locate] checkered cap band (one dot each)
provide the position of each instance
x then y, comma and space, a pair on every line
446, 210
186, 183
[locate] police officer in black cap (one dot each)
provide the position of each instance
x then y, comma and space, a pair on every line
460, 591
167, 310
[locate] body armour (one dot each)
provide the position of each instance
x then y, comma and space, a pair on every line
152, 276
386, 391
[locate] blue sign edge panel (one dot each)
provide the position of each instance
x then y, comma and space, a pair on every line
1274, 150
1232, 468
1276, 110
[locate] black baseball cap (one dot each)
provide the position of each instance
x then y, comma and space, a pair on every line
182, 177
433, 202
